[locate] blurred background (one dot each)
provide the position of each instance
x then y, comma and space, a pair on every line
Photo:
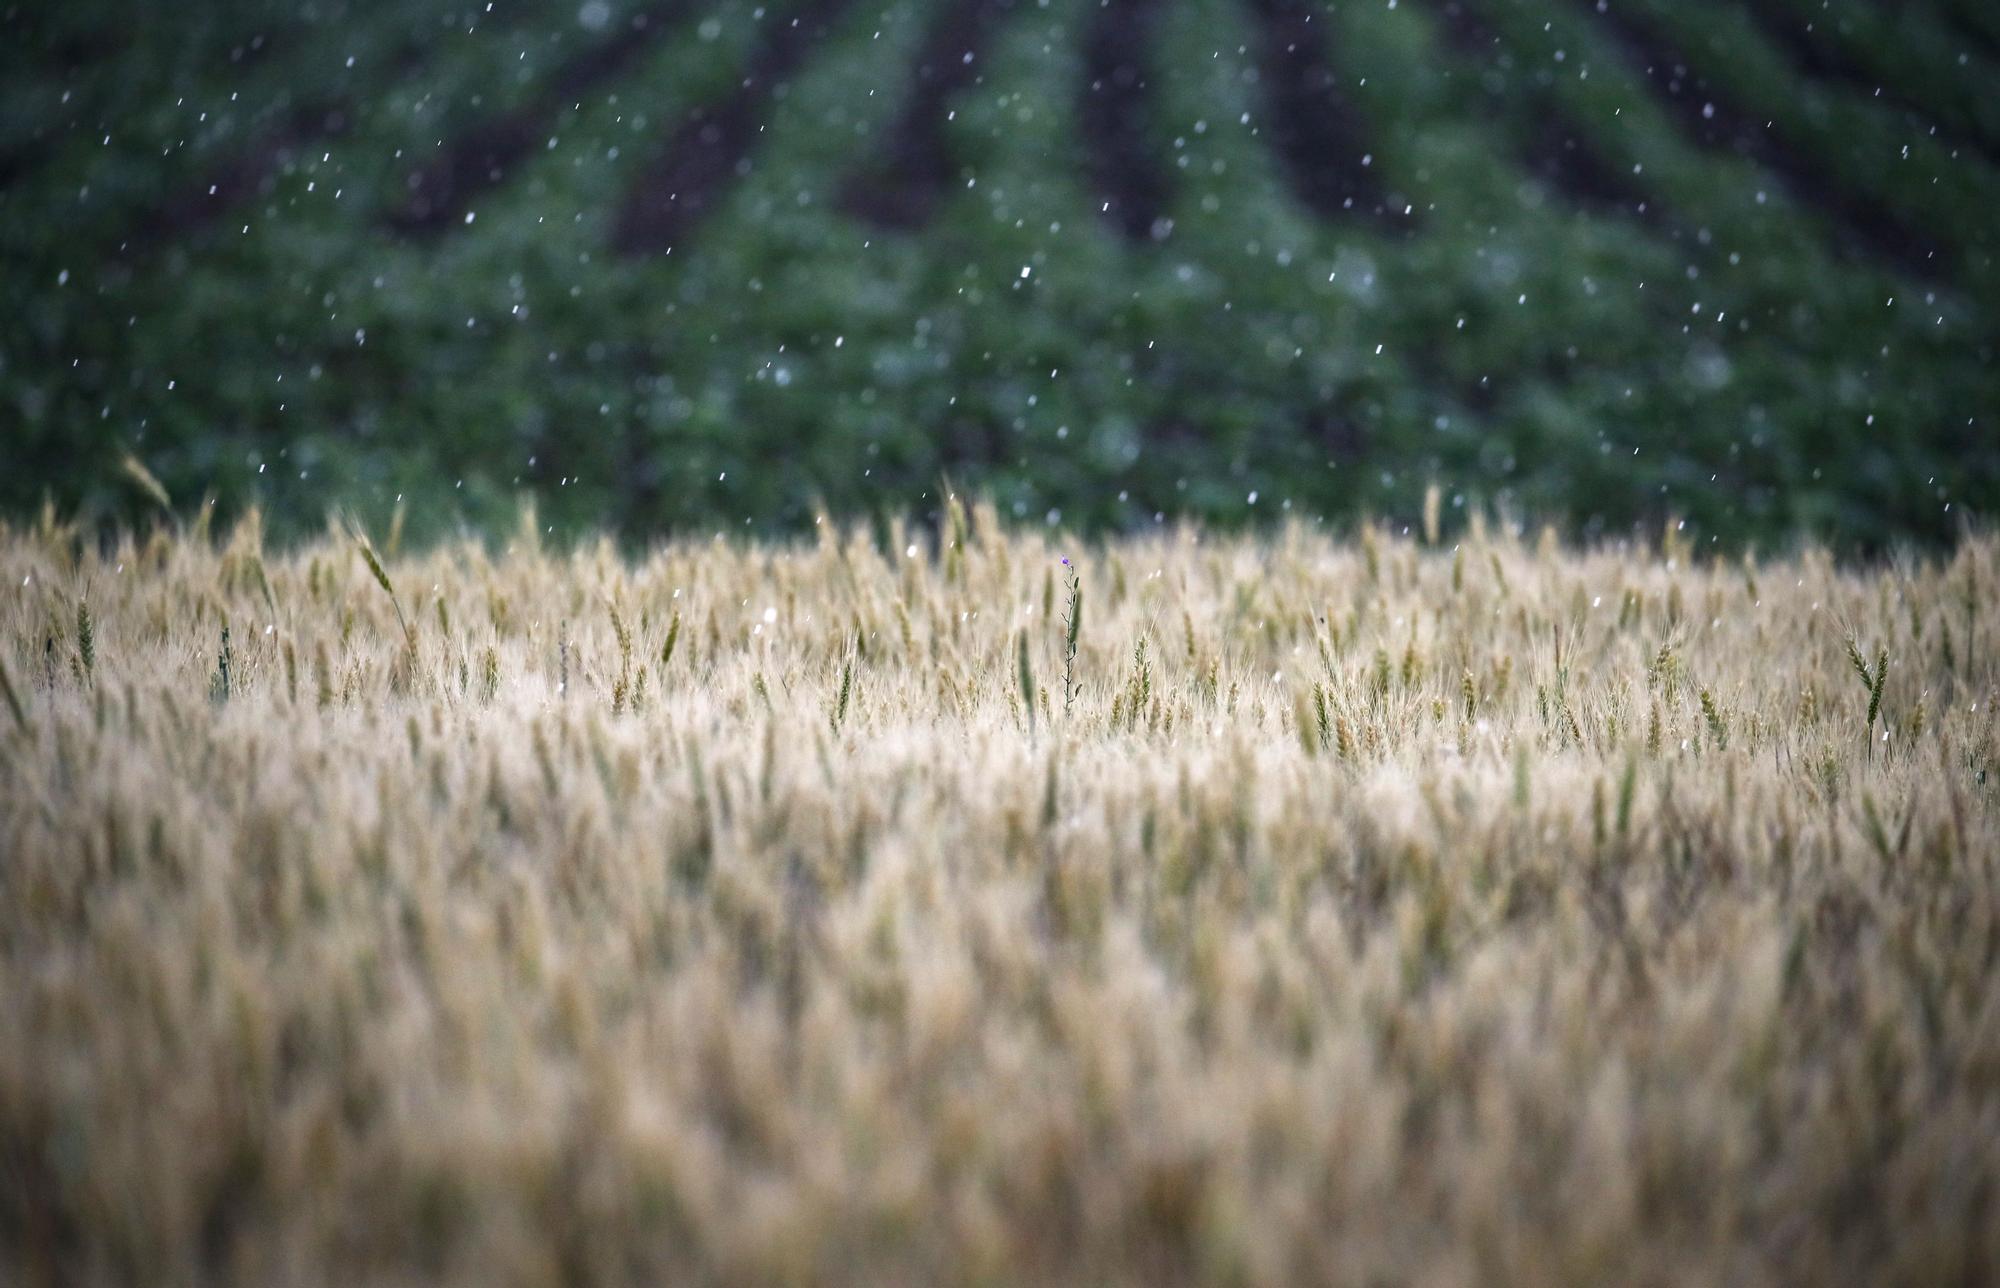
677, 267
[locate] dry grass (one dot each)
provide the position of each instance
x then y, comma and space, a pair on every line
1358, 913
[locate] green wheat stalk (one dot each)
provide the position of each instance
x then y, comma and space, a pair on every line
1871, 683
1072, 628
1026, 675
382, 580
846, 692
1717, 727
86, 640
219, 683
673, 638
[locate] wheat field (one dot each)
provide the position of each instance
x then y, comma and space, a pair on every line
971, 905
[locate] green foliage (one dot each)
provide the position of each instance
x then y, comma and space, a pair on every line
1715, 344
